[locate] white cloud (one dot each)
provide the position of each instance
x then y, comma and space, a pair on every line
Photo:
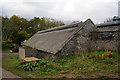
67, 10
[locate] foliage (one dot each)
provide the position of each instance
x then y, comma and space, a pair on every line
73, 64
116, 18
45, 65
18, 29
18, 37
6, 46
101, 54
78, 77
111, 19
40, 66
107, 54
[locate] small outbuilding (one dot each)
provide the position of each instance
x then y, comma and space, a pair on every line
59, 41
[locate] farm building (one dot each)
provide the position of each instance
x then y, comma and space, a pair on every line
58, 41
71, 39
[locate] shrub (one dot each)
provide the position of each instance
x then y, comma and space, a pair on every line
6, 45
29, 66
78, 77
64, 77
40, 66
107, 54
100, 54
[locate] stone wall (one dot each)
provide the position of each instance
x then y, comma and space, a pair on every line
79, 41
109, 40
90, 38
87, 38
42, 54
27, 52
30, 52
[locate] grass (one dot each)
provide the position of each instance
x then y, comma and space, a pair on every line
90, 65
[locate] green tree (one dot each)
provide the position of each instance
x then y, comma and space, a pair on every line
19, 36
6, 28
17, 29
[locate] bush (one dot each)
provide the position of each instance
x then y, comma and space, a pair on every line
78, 77
100, 54
107, 54
6, 45
47, 65
19, 36
29, 66
42, 65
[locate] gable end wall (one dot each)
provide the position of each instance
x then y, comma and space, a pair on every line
80, 41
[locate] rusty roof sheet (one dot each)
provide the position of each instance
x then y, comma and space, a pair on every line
52, 40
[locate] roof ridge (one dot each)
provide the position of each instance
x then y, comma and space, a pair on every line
108, 23
60, 28
76, 30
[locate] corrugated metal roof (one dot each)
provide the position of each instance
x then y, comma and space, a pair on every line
52, 40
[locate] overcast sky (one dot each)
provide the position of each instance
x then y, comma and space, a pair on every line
65, 10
